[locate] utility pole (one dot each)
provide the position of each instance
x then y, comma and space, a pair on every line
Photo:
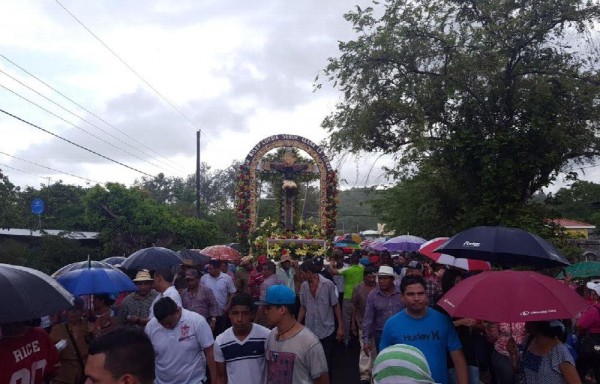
198, 174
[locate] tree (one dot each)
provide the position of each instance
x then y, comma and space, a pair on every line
128, 219
9, 213
490, 95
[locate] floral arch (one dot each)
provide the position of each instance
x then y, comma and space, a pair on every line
247, 199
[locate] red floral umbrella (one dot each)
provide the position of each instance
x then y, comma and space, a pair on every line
427, 249
511, 297
222, 252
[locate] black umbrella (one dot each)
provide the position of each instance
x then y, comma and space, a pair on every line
195, 256
29, 294
152, 258
503, 246
81, 265
114, 260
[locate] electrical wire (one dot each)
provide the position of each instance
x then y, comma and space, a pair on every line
130, 68
91, 113
81, 118
77, 127
73, 143
51, 169
22, 171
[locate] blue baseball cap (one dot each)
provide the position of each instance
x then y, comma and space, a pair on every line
278, 295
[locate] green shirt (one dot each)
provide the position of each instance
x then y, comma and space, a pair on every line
353, 275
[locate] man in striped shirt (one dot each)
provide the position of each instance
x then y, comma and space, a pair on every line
240, 350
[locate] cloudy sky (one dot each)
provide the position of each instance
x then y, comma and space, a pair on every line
239, 71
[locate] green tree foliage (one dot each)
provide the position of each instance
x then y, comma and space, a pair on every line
355, 213
129, 220
9, 212
492, 98
63, 208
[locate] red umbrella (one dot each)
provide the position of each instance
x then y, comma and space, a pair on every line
512, 296
427, 249
222, 252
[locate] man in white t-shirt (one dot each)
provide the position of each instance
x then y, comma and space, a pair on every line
163, 284
183, 344
240, 350
223, 287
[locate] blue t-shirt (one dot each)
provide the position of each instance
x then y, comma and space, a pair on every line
433, 334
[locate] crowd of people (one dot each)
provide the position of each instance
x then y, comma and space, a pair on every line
257, 321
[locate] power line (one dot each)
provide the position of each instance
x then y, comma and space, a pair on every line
90, 112
51, 169
130, 68
77, 127
22, 171
79, 117
73, 143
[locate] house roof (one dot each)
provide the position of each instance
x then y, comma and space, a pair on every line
75, 235
573, 224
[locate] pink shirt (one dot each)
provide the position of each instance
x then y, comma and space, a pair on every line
590, 319
505, 331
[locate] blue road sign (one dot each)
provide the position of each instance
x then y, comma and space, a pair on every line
37, 206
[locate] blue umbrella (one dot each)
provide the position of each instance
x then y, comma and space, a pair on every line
114, 260
152, 258
91, 281
81, 265
503, 246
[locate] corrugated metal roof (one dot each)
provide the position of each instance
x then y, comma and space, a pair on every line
75, 235
573, 224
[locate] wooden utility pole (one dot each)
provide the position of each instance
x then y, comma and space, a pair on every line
198, 174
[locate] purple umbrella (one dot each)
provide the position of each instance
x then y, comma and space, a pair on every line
407, 243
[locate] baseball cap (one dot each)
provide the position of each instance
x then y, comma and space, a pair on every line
318, 261
262, 259
278, 295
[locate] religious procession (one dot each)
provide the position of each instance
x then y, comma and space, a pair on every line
435, 221
395, 310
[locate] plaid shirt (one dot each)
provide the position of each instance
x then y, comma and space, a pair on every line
433, 288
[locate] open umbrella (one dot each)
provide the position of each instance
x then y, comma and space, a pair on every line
28, 294
428, 249
504, 246
346, 247
512, 296
114, 260
90, 281
376, 244
582, 270
195, 256
152, 258
406, 243
349, 238
222, 252
80, 265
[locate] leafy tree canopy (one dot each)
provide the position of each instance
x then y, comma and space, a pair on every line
492, 99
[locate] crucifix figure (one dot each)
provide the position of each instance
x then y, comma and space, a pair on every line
289, 168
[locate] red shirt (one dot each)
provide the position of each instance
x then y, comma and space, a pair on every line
254, 281
590, 319
32, 355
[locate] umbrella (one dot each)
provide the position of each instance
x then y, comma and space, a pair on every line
582, 270
80, 265
346, 247
503, 246
91, 281
376, 244
370, 232
29, 294
114, 260
222, 252
407, 243
427, 249
152, 258
349, 238
512, 296
197, 257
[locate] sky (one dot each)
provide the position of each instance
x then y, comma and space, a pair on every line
136, 80
132, 81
